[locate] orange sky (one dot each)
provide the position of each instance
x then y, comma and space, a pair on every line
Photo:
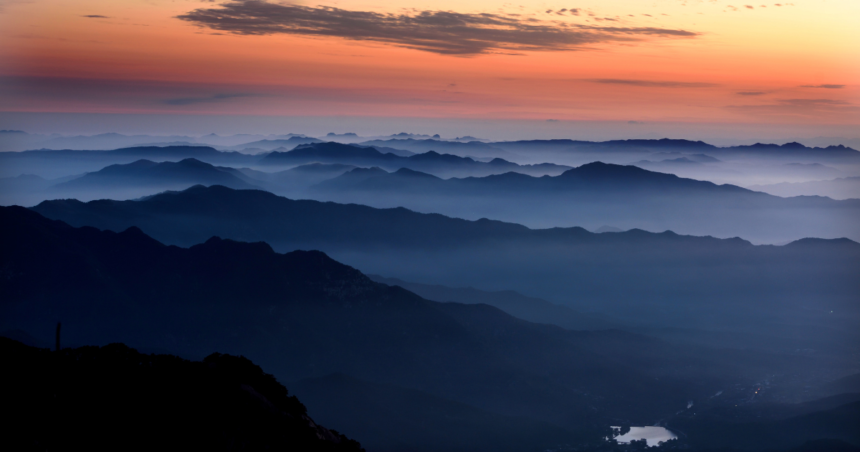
660, 60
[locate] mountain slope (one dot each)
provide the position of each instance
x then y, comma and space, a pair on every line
114, 397
837, 424
513, 303
369, 410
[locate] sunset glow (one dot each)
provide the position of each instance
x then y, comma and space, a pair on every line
698, 61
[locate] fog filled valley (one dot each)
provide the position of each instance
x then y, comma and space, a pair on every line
420, 293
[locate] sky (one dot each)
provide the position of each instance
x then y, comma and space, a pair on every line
787, 66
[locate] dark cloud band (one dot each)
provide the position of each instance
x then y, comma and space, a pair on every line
652, 83
205, 99
825, 86
442, 32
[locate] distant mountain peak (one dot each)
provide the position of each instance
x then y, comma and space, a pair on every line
191, 161
412, 173
600, 169
367, 171
249, 248
793, 145
818, 242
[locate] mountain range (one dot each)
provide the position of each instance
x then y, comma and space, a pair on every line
61, 163
421, 145
442, 165
281, 143
428, 294
682, 286
152, 177
840, 188
596, 194
603, 150
302, 315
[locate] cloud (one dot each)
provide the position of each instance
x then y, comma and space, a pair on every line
813, 103
96, 16
750, 93
651, 83
442, 32
815, 108
21, 92
212, 98
826, 86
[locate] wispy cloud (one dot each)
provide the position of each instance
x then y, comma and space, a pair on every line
801, 107
169, 96
442, 32
206, 99
750, 93
95, 16
825, 86
651, 83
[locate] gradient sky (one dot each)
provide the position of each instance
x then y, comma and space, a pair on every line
707, 61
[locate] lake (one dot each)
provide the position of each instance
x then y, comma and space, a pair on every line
651, 435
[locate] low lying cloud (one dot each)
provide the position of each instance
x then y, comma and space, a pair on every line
751, 93
442, 32
95, 16
651, 83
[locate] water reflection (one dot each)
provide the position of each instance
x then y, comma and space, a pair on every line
651, 435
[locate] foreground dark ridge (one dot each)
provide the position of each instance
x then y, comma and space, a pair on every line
114, 398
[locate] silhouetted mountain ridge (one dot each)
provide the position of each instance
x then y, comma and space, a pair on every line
104, 398
275, 219
430, 161
143, 173
599, 193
